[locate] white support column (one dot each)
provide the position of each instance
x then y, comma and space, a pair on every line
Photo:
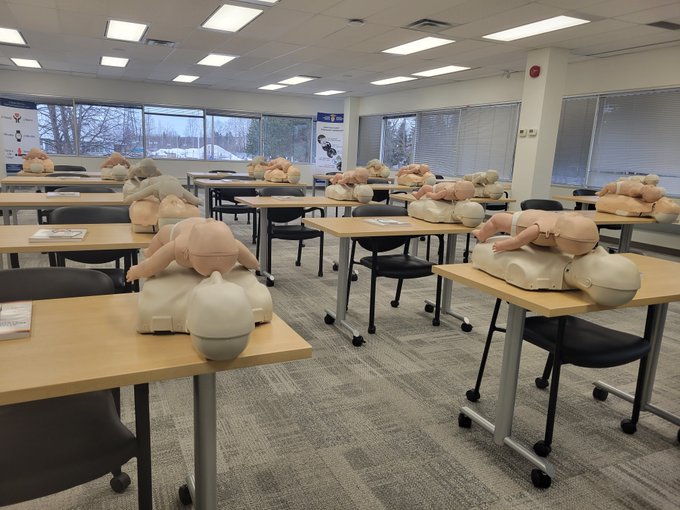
538, 124
350, 141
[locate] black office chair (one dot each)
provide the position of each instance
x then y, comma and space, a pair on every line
84, 215
69, 168
54, 444
278, 227
545, 204
393, 265
225, 203
86, 189
379, 195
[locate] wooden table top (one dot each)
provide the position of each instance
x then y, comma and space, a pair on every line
104, 236
265, 202
602, 218
235, 183
585, 199
90, 343
660, 284
326, 177
42, 201
393, 187
220, 175
86, 179
359, 227
408, 197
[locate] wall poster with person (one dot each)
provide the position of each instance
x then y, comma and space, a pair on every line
19, 122
329, 133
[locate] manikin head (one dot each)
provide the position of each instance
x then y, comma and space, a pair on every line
575, 234
212, 247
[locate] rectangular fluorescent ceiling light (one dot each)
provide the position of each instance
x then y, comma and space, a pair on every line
26, 62
114, 61
215, 60
390, 81
441, 70
538, 27
185, 78
423, 44
125, 30
231, 18
329, 92
11, 36
296, 80
273, 86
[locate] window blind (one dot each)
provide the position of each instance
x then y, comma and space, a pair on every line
370, 134
577, 120
437, 140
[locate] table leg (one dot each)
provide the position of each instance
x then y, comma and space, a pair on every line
624, 239
143, 433
447, 287
655, 334
263, 240
204, 492
341, 296
505, 406
207, 204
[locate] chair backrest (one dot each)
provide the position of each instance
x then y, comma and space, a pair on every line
91, 215
498, 207
544, 204
380, 244
86, 189
33, 283
283, 214
221, 171
69, 168
379, 195
584, 192
228, 194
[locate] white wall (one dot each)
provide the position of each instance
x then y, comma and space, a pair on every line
58, 85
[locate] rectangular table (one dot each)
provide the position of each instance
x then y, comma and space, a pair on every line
193, 176
16, 201
100, 349
85, 179
660, 285
263, 204
208, 185
346, 228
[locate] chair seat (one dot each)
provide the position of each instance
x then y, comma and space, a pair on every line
586, 344
294, 232
233, 209
76, 427
117, 276
399, 266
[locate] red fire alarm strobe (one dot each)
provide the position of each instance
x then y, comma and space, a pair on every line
534, 71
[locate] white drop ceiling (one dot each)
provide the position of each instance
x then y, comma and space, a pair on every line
314, 38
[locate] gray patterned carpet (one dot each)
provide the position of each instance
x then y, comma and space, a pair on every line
375, 427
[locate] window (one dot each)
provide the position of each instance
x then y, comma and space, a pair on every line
573, 141
637, 133
232, 137
437, 141
370, 130
55, 128
287, 137
103, 129
487, 139
174, 133
398, 141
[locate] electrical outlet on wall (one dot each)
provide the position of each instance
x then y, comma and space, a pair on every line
522, 133
533, 132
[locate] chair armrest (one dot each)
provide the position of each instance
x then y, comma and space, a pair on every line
312, 209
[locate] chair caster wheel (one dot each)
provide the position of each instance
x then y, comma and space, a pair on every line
335, 266
540, 479
429, 308
297, 263
329, 319
464, 421
435, 322
394, 303
270, 283
185, 495
354, 277
358, 341
472, 395
541, 449
120, 482
600, 394
466, 326
371, 330
541, 383
628, 426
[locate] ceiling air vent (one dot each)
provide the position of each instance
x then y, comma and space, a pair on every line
665, 24
160, 42
428, 25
